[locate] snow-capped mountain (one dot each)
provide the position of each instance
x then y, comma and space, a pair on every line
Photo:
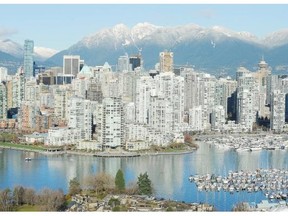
213, 49
276, 39
44, 53
11, 47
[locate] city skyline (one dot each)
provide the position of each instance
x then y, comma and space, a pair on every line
60, 26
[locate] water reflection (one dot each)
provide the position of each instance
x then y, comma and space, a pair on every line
168, 173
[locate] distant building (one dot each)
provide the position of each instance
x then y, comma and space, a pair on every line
135, 62
166, 61
71, 65
3, 74
28, 58
123, 63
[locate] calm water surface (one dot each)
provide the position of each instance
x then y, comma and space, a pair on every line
168, 173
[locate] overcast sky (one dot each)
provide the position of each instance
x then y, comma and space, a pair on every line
60, 26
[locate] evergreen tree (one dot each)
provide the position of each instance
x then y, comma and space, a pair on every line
74, 186
144, 184
120, 181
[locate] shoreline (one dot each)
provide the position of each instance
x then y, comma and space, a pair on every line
101, 154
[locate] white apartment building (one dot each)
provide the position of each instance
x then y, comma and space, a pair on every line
277, 115
3, 101
110, 124
217, 117
80, 116
160, 116
3, 74
63, 136
143, 93
195, 119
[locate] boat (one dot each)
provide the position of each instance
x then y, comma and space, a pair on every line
28, 159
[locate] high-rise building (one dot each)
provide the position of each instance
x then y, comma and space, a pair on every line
28, 58
166, 61
109, 123
135, 61
277, 115
80, 116
123, 63
3, 74
71, 64
3, 101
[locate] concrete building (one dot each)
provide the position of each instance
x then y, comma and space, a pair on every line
144, 87
80, 116
63, 136
71, 65
195, 119
217, 117
166, 61
277, 116
123, 63
28, 58
94, 92
3, 74
160, 116
110, 124
3, 101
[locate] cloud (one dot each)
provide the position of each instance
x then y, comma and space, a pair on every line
6, 32
207, 13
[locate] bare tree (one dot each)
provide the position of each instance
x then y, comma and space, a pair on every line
6, 200
51, 200
100, 182
29, 196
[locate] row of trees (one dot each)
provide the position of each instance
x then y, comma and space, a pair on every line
46, 199
104, 183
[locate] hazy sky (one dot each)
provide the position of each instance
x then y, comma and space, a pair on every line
60, 26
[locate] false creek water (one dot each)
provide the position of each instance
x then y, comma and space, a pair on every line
168, 173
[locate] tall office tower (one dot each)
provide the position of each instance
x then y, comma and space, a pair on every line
80, 116
217, 117
166, 61
28, 58
3, 74
71, 65
3, 101
277, 115
135, 61
110, 129
123, 63
241, 71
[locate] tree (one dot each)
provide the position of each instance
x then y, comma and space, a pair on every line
101, 182
144, 184
74, 186
18, 195
29, 196
51, 200
6, 200
120, 181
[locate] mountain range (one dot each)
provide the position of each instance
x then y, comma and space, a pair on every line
214, 50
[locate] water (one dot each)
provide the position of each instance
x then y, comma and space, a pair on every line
168, 173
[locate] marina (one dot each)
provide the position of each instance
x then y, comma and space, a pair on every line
245, 142
272, 182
